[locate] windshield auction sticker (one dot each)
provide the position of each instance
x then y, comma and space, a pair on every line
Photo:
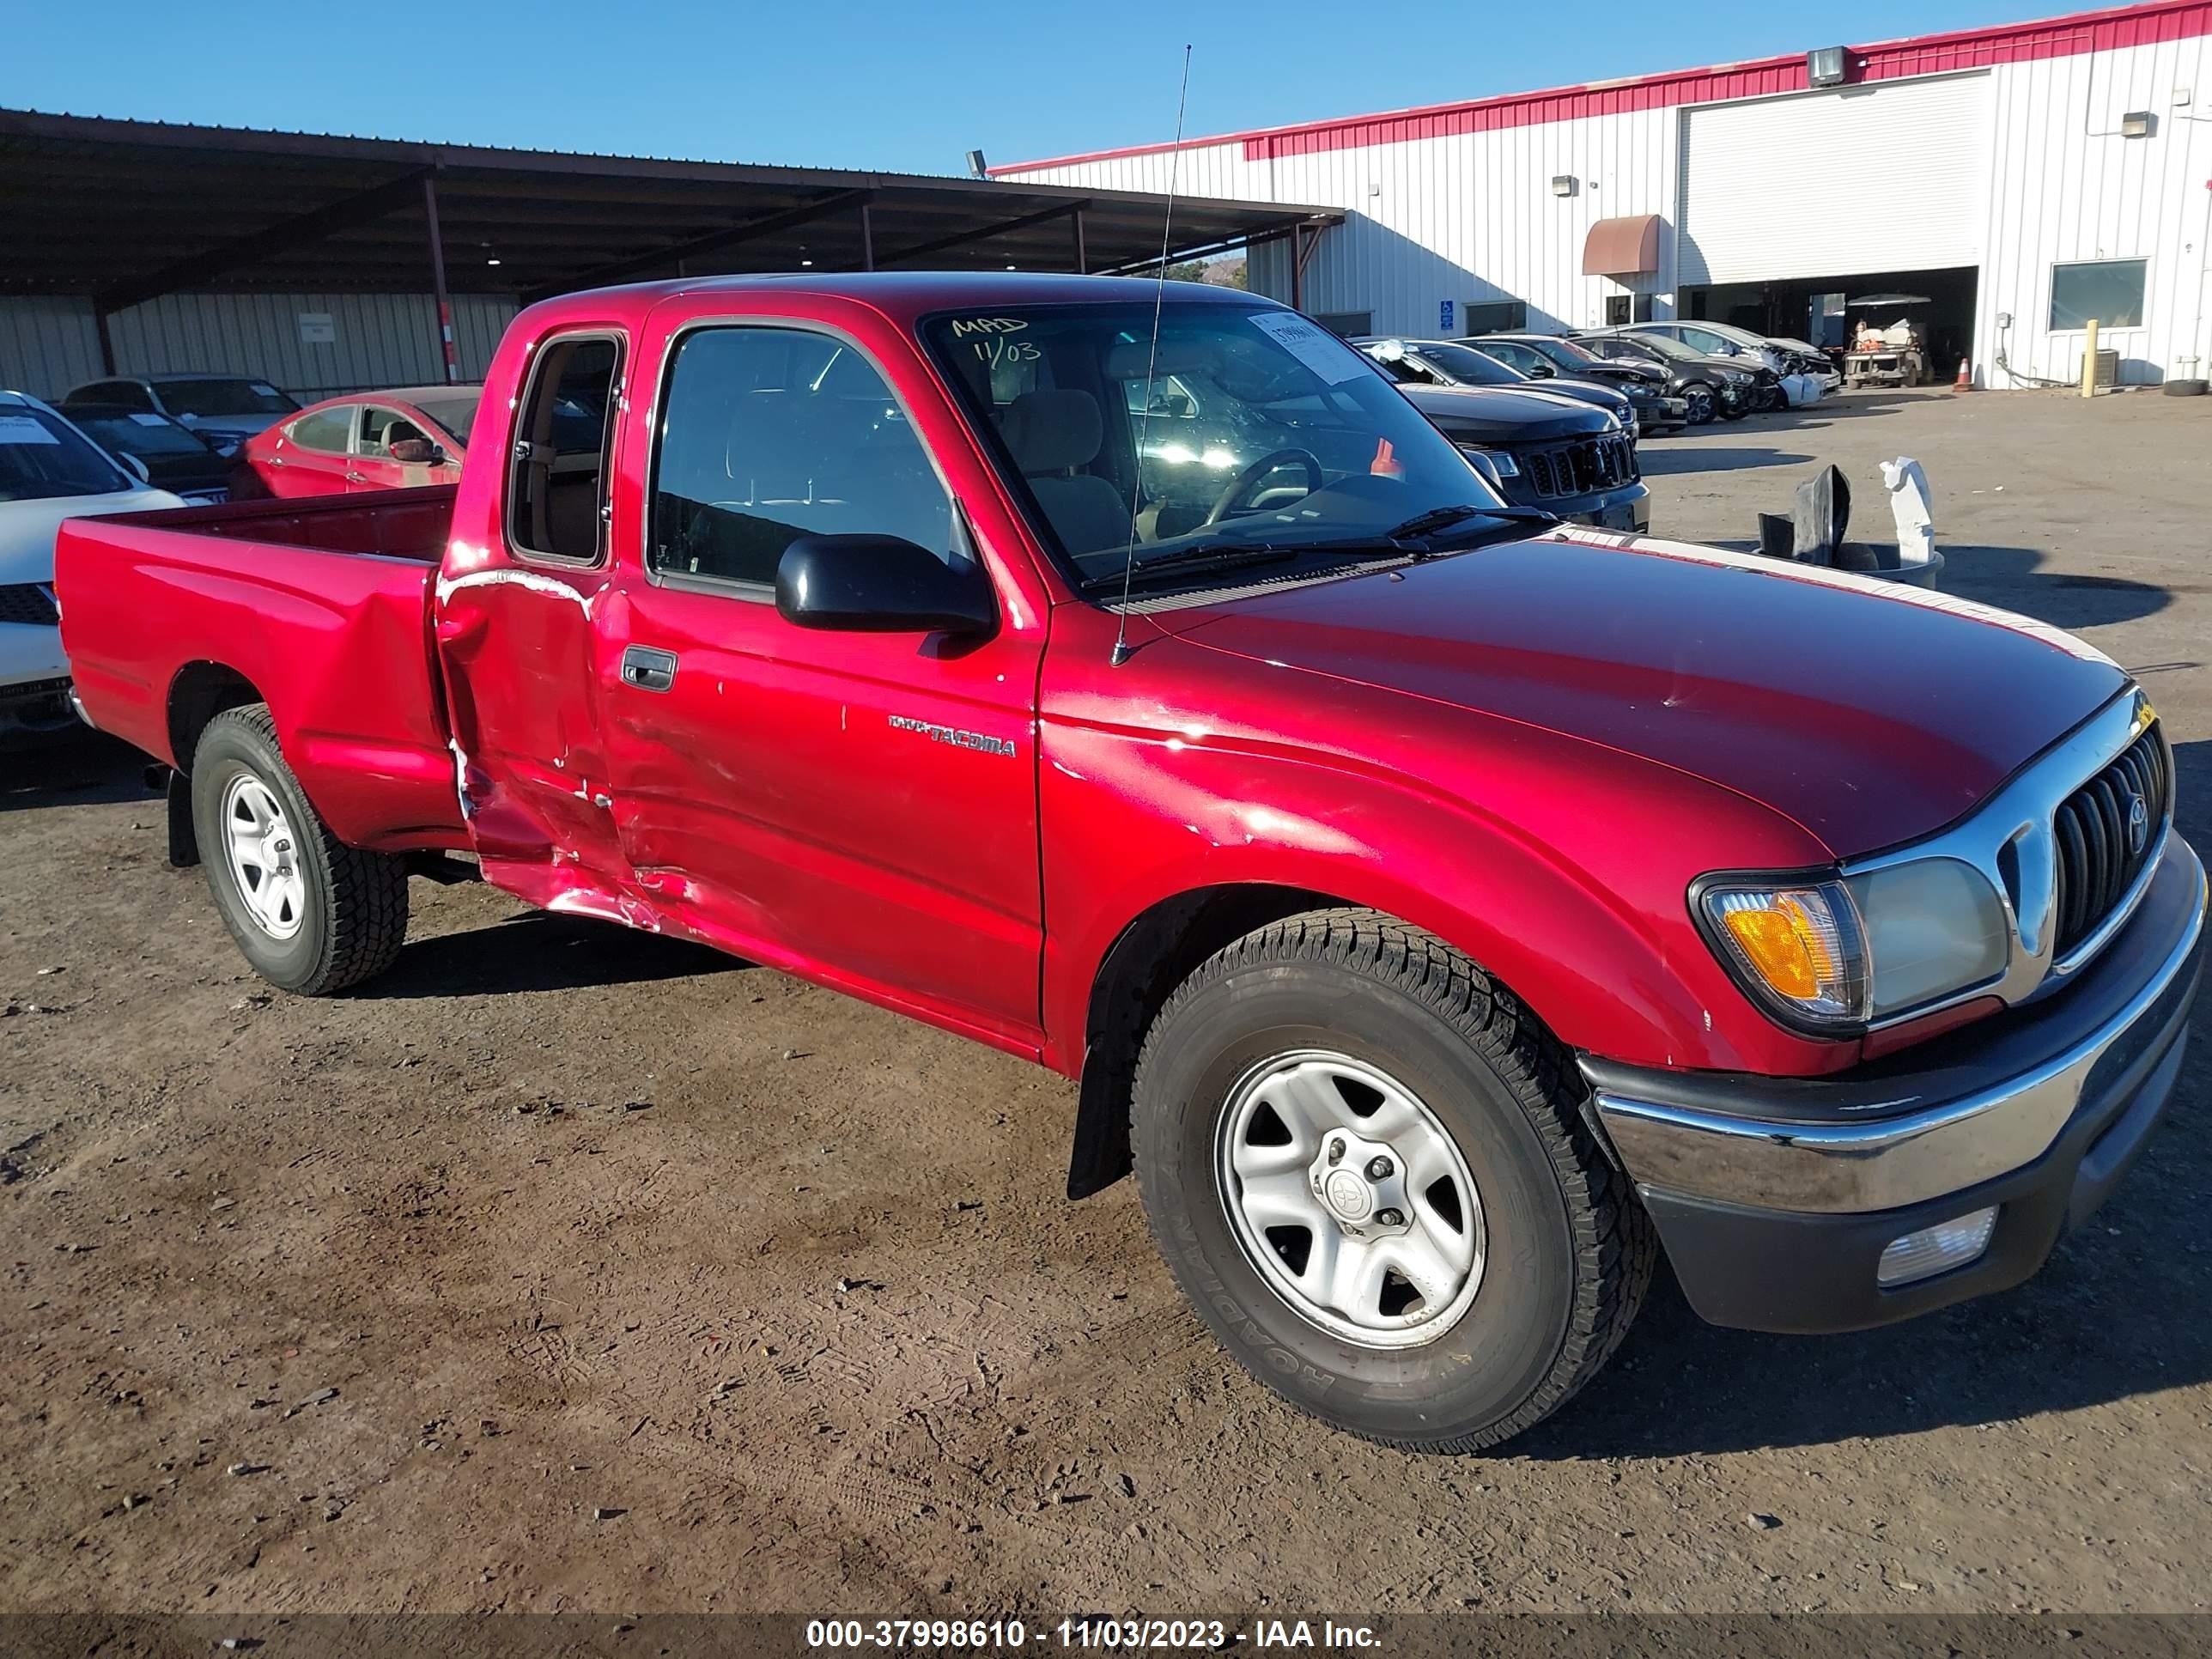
1311, 344
22, 430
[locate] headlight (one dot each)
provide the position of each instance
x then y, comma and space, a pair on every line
1832, 955
1934, 927
1500, 459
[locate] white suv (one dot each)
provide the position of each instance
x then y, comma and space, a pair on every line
49, 471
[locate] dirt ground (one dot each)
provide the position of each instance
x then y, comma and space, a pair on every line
569, 1268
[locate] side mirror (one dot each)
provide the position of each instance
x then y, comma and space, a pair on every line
880, 585
135, 468
418, 451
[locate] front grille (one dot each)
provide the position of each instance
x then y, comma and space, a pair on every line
28, 602
2103, 845
1581, 467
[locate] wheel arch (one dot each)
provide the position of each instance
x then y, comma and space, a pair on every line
199, 691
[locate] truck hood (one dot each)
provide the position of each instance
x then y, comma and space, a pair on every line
1870, 714
1507, 414
26, 528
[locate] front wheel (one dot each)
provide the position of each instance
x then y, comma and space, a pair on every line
1367, 1169
311, 913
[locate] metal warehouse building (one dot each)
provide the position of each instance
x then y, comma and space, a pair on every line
328, 264
2015, 180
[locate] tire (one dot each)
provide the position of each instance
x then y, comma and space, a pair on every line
314, 915
1563, 1252
1699, 396
2183, 388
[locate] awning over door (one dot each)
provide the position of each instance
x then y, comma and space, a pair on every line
1622, 247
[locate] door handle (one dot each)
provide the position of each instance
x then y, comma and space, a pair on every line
356, 477
647, 669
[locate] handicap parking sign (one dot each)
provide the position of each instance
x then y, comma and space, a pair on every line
1445, 315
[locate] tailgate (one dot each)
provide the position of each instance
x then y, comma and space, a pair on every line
322, 608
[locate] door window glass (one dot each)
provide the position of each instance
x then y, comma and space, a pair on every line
768, 434
325, 431
556, 483
380, 428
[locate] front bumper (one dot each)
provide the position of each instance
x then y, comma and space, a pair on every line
1775, 1198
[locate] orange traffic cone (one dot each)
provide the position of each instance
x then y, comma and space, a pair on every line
1965, 380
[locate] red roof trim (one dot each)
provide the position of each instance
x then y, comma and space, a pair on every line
1889, 60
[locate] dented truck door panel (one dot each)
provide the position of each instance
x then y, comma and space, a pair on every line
525, 576
864, 804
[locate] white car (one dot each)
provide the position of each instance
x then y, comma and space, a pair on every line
49, 471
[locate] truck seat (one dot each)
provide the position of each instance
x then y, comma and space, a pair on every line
1052, 435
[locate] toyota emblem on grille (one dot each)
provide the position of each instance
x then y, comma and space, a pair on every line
2138, 825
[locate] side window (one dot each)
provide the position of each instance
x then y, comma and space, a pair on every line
380, 428
767, 435
326, 430
557, 471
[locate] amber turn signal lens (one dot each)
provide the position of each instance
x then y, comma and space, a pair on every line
1784, 946
1800, 948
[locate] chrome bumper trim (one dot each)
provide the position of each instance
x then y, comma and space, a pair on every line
1887, 1163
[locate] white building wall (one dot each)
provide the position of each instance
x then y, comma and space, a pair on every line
49, 345
2065, 185
1472, 216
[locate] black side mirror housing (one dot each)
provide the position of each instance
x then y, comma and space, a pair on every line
880, 585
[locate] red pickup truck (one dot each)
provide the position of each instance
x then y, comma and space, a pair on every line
1442, 910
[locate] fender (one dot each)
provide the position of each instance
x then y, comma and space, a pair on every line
1586, 920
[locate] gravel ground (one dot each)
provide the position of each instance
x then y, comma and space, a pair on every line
567, 1269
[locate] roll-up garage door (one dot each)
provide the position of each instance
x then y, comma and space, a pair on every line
1893, 176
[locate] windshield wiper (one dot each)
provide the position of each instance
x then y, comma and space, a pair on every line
1193, 561
1392, 544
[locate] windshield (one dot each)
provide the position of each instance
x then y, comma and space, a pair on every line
223, 397
135, 432
1665, 345
1469, 367
453, 415
1254, 429
1566, 354
42, 457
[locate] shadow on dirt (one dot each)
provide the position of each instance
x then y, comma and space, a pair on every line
2095, 1325
539, 951
1693, 457
71, 769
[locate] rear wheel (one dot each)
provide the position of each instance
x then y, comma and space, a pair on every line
1700, 398
311, 913
1366, 1166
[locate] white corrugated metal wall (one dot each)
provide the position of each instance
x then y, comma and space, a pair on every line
49, 345
1473, 216
2066, 185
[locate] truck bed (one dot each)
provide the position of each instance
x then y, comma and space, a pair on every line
320, 607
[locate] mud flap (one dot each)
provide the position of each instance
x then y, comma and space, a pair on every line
184, 843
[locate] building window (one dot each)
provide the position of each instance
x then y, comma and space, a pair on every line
1351, 324
1495, 316
2110, 291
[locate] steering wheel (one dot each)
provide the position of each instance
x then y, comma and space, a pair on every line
1260, 469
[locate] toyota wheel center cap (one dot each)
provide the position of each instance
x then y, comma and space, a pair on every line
1348, 1195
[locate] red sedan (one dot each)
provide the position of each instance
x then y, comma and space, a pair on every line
391, 439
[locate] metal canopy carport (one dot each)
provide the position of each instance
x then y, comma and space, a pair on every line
124, 211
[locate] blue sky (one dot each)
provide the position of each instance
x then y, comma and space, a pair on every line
906, 88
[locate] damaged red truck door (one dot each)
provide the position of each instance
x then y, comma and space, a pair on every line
733, 774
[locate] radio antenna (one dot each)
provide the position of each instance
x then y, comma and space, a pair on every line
1122, 649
